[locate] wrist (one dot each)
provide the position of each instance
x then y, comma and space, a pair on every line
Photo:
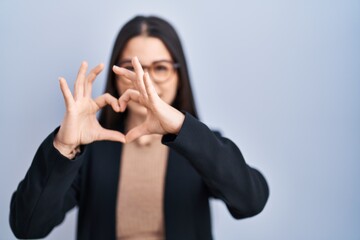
180, 121
69, 151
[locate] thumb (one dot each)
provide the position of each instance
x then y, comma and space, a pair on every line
136, 132
111, 135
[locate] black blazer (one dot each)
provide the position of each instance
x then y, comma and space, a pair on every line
201, 164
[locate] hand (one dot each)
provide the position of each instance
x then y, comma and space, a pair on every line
161, 117
80, 125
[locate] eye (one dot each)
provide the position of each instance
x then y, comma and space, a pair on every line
161, 68
130, 68
127, 66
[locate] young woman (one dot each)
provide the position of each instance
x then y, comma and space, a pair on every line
147, 168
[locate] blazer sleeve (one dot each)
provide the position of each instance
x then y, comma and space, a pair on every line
222, 167
50, 188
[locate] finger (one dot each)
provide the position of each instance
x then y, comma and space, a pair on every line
150, 89
68, 98
123, 72
107, 99
139, 80
127, 96
91, 78
136, 133
111, 135
80, 81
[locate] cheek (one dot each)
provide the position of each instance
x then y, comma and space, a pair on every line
169, 91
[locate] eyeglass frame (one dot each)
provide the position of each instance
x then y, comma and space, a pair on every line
175, 66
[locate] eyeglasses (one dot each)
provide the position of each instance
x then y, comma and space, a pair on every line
160, 71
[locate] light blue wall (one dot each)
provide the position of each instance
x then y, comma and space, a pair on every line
280, 78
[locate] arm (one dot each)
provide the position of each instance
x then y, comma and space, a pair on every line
50, 188
222, 166
217, 159
51, 185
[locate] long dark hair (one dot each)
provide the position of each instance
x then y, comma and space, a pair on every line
161, 29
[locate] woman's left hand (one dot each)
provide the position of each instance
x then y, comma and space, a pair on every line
161, 117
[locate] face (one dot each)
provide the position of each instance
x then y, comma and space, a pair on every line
152, 52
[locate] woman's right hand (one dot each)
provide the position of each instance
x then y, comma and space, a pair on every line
80, 125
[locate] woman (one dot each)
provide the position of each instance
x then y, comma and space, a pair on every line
153, 182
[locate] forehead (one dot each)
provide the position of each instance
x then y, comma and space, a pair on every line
147, 49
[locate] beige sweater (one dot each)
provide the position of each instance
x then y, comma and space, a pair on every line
139, 213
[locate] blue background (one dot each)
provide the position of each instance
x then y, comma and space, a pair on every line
280, 78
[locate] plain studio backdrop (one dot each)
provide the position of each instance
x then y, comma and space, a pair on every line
280, 78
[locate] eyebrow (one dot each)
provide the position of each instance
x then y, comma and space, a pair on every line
129, 61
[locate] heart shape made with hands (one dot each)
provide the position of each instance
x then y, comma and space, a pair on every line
161, 118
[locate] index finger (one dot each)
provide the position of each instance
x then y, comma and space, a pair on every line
80, 81
91, 78
124, 72
139, 80
107, 99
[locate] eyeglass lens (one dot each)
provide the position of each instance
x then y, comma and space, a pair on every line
159, 71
